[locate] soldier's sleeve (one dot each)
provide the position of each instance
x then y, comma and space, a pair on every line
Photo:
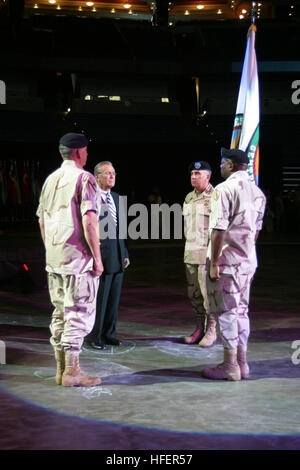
260, 204
219, 210
40, 209
89, 194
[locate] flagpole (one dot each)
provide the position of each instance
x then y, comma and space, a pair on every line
245, 134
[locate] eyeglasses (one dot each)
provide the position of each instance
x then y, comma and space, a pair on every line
109, 173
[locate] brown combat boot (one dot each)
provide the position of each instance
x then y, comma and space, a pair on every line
210, 336
242, 361
228, 370
60, 365
73, 376
196, 336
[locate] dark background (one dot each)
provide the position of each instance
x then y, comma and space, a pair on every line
49, 63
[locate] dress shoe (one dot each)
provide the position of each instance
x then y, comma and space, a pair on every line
113, 341
96, 345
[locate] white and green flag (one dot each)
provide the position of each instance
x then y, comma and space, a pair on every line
245, 135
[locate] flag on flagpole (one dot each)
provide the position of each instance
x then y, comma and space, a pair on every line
245, 135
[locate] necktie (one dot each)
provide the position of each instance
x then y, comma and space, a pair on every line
112, 208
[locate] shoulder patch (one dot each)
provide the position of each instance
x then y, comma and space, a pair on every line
216, 194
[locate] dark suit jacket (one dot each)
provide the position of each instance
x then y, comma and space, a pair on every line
113, 248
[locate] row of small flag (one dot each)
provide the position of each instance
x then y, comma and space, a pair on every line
20, 182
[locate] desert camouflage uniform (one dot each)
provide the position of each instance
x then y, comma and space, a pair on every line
237, 206
196, 221
68, 194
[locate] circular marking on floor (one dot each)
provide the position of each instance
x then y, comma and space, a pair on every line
191, 351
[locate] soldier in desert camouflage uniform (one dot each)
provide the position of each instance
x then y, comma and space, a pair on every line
237, 210
196, 218
68, 217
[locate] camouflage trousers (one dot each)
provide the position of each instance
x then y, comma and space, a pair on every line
196, 275
229, 305
74, 299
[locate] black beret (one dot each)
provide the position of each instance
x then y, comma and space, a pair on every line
236, 155
74, 141
200, 165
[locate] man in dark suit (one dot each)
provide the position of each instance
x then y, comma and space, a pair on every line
114, 253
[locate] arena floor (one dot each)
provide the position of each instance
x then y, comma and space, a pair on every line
152, 395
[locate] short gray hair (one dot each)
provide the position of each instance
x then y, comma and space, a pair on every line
66, 152
98, 167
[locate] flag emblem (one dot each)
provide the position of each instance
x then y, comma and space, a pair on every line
245, 134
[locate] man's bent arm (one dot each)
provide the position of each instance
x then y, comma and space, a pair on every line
91, 234
217, 242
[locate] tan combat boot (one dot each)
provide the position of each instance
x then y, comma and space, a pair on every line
210, 336
196, 336
228, 370
73, 376
242, 361
60, 365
